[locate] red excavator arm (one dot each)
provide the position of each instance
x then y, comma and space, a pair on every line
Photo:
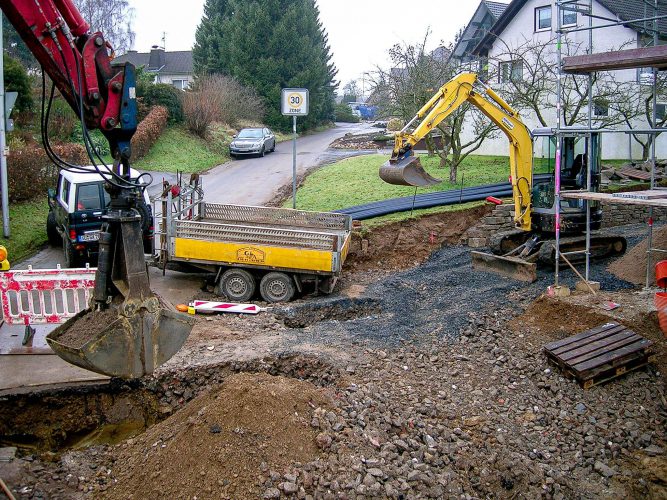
79, 64
129, 332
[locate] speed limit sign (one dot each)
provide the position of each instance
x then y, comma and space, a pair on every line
295, 102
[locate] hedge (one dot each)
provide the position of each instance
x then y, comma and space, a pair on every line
149, 131
31, 173
162, 94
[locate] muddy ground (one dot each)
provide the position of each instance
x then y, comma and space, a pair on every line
417, 378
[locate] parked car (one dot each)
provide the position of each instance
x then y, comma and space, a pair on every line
76, 208
253, 141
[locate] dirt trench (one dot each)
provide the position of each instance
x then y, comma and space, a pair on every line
408, 243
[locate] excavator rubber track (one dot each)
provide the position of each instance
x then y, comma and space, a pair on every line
407, 172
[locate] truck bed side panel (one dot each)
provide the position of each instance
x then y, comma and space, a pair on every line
255, 255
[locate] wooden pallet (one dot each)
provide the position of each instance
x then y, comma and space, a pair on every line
599, 354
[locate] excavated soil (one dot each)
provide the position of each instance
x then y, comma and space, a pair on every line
551, 318
87, 327
632, 266
405, 244
224, 439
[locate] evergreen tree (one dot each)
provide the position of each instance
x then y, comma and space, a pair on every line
15, 47
17, 80
269, 45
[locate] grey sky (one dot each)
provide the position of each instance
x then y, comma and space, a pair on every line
360, 31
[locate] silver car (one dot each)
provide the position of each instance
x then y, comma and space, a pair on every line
253, 141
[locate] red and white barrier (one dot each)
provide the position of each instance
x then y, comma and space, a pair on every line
40, 296
208, 306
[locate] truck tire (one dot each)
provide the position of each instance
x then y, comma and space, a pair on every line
237, 285
52, 230
277, 287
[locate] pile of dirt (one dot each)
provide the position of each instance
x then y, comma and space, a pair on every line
552, 319
405, 244
221, 443
632, 266
359, 141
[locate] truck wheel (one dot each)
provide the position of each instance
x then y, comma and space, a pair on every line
277, 287
236, 284
52, 230
70, 258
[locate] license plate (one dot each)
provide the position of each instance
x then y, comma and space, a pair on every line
92, 236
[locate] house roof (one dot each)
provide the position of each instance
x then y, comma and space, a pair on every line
484, 17
177, 62
496, 8
626, 10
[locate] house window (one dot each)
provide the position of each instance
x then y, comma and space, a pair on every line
543, 18
568, 17
600, 107
180, 84
661, 111
511, 71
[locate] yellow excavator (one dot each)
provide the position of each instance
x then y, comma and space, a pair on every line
517, 252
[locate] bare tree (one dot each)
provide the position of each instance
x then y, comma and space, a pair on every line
534, 89
113, 18
351, 91
413, 80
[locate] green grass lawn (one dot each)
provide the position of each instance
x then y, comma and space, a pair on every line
27, 225
178, 150
355, 181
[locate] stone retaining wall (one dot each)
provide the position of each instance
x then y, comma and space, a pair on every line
502, 219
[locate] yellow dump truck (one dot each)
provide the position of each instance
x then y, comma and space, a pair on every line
278, 251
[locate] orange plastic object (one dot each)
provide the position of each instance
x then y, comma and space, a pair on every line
661, 305
661, 274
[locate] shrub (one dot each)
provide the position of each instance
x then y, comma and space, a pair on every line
168, 96
149, 131
100, 143
344, 114
394, 124
219, 98
62, 120
31, 172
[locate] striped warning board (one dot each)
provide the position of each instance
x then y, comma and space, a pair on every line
208, 306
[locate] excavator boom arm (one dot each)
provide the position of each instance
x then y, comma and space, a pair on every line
451, 96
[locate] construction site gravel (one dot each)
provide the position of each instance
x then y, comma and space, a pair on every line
417, 378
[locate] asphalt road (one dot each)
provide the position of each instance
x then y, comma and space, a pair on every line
255, 181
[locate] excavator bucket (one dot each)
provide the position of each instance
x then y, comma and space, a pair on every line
407, 172
132, 332
512, 267
122, 341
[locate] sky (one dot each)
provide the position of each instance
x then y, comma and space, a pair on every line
360, 31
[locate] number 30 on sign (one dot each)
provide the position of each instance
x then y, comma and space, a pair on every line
295, 102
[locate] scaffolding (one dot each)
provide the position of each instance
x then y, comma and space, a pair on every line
654, 56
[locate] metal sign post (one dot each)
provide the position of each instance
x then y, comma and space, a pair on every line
294, 103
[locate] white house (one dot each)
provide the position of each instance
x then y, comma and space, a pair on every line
173, 68
533, 22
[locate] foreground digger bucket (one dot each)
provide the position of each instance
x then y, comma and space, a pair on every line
512, 267
126, 340
406, 172
130, 331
